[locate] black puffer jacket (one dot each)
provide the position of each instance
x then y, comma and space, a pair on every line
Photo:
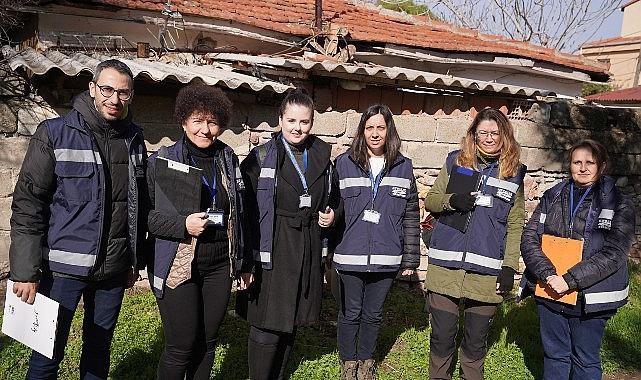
598, 263
37, 183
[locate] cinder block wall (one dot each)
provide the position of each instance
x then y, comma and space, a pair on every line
545, 133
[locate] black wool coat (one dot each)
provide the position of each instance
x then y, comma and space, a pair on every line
289, 295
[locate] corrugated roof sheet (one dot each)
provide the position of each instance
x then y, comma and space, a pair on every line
393, 73
627, 96
73, 64
366, 23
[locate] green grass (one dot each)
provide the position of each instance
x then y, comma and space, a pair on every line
403, 346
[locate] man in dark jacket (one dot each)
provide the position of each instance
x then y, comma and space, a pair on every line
78, 215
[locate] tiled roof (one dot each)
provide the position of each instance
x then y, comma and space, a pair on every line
612, 41
366, 23
628, 95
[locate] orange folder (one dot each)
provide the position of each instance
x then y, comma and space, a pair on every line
564, 254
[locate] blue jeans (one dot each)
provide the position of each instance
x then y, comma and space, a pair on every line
102, 301
362, 295
571, 345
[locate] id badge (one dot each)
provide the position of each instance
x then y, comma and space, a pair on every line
305, 200
484, 200
215, 217
372, 216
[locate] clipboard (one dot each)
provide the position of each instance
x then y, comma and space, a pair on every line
463, 181
564, 253
177, 187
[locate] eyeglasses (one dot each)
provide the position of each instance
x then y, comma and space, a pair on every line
485, 134
108, 91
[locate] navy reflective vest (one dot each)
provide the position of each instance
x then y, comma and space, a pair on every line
165, 250
611, 292
482, 247
78, 205
367, 246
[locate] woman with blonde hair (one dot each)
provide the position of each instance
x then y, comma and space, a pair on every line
473, 262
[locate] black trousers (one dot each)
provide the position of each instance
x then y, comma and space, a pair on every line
362, 295
444, 320
191, 316
268, 352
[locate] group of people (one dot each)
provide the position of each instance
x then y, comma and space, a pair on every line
90, 210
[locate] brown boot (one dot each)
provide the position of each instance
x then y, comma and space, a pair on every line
366, 370
349, 369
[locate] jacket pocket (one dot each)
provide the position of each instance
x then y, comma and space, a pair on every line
75, 181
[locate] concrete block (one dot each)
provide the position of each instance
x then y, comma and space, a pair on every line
543, 159
426, 155
539, 112
11, 84
5, 213
452, 130
415, 127
33, 112
8, 182
235, 137
560, 114
5, 242
330, 123
8, 119
12, 151
353, 118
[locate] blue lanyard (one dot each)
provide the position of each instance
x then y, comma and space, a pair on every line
301, 175
376, 182
489, 174
211, 188
574, 210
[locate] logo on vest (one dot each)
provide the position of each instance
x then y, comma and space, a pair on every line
604, 224
240, 184
399, 192
504, 194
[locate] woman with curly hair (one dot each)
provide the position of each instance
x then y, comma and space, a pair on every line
474, 266
197, 233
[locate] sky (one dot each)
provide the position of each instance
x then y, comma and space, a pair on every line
611, 27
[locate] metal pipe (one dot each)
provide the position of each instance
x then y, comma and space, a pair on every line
319, 15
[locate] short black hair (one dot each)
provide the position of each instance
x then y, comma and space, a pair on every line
298, 96
115, 64
204, 99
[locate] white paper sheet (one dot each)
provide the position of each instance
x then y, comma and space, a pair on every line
33, 325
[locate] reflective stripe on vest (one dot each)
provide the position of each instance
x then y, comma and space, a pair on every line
158, 282
238, 173
354, 182
350, 259
396, 181
70, 258
607, 297
471, 258
267, 173
362, 260
542, 218
483, 261
501, 184
77, 155
385, 260
444, 255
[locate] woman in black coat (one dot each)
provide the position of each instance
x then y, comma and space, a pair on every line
292, 199
589, 212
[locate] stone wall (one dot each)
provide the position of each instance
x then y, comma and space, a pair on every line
544, 133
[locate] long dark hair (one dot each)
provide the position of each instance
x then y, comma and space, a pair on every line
392, 140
